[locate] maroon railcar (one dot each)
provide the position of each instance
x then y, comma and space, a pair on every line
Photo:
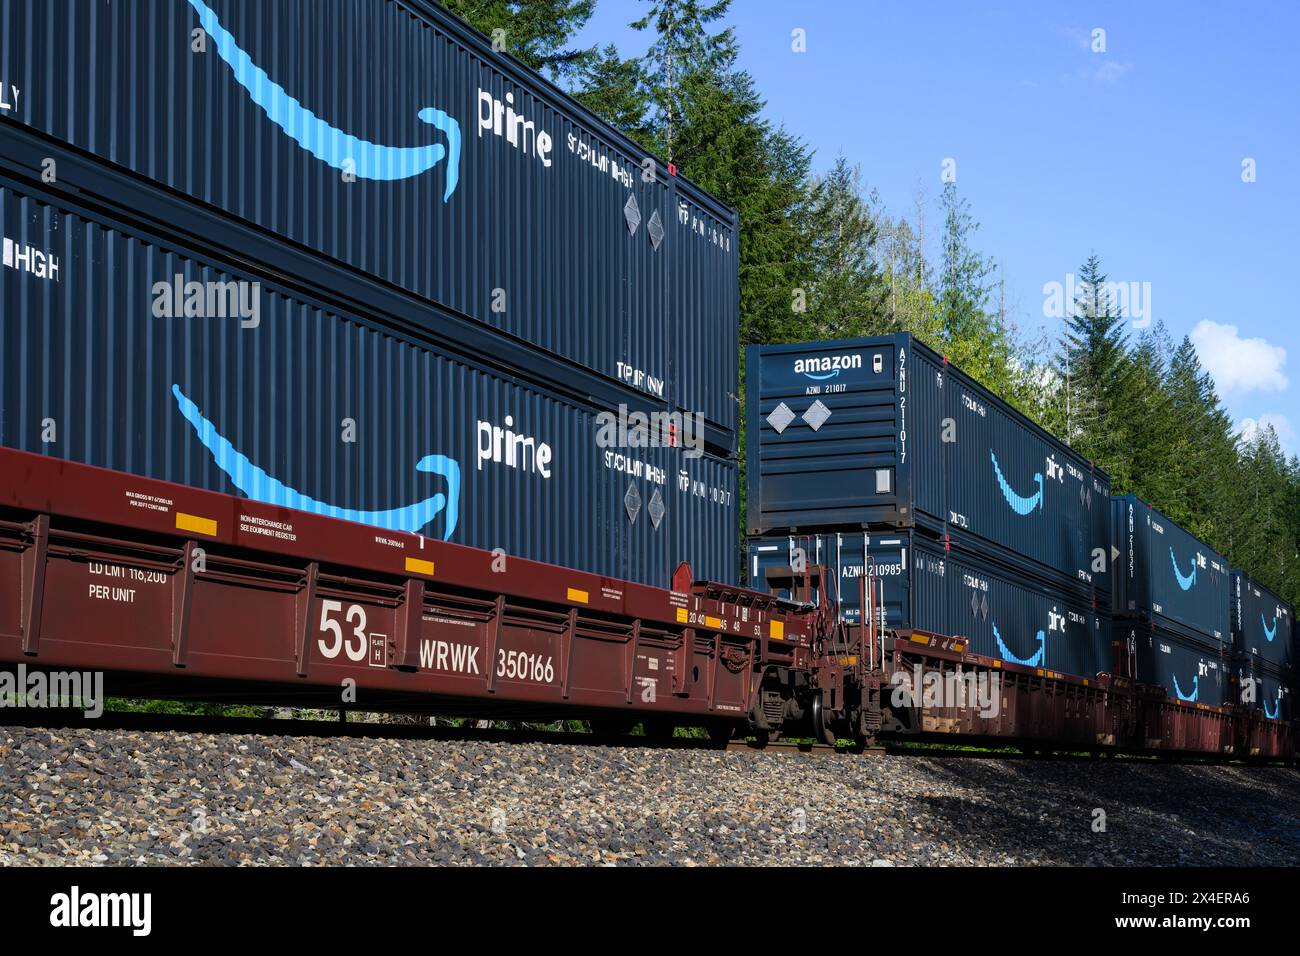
180, 592
172, 590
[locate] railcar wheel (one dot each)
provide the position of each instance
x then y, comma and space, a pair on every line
721, 732
821, 729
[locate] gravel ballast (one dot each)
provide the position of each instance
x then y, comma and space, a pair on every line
125, 797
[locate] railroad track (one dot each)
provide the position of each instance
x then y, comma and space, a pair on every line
52, 719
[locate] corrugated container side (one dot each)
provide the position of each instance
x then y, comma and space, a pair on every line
314, 409
1168, 575
872, 433
1265, 689
1188, 669
388, 136
1263, 624
805, 478
956, 593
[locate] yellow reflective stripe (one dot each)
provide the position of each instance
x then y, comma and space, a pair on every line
419, 566
196, 524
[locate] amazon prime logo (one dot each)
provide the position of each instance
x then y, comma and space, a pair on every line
356, 158
260, 485
1020, 504
503, 120
502, 445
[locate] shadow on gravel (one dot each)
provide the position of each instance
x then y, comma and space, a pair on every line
1161, 814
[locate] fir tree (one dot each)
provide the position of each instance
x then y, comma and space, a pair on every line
849, 288
536, 32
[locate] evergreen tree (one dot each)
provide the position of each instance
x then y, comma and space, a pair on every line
910, 302
615, 90
1151, 423
682, 53
706, 116
1098, 371
965, 285
849, 288
1203, 480
976, 337
536, 32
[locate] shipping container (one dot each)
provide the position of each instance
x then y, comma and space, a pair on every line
1263, 625
883, 432
1266, 689
1168, 575
1188, 668
953, 593
388, 137
127, 354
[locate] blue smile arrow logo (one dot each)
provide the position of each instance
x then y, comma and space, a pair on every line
1019, 503
260, 486
330, 145
1269, 632
1184, 581
1038, 658
1196, 689
822, 378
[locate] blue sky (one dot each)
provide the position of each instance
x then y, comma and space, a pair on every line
1135, 152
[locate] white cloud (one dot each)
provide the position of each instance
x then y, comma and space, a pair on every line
1237, 364
1111, 71
1250, 427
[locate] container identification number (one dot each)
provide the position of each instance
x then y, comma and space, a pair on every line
520, 665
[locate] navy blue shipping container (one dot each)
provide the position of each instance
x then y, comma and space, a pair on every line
957, 593
882, 432
1188, 669
1168, 575
1263, 625
127, 354
1262, 688
388, 137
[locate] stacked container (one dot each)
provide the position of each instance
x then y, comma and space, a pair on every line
979, 523
344, 256
1263, 646
1171, 605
